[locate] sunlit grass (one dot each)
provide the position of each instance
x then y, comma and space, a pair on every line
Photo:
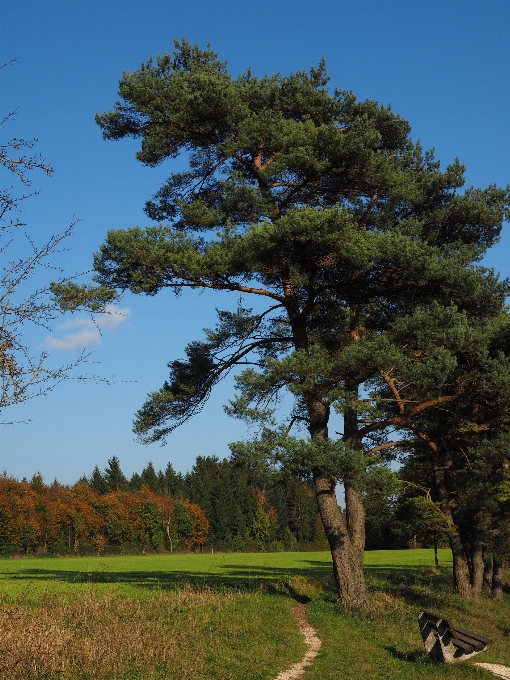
189, 633
235, 570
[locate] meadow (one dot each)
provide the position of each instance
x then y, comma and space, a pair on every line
228, 616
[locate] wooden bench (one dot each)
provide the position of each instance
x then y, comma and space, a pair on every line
446, 643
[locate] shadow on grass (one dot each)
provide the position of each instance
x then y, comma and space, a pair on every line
416, 656
412, 583
228, 576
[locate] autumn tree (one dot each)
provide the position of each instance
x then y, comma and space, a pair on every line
24, 299
339, 228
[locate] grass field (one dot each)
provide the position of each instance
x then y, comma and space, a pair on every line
228, 616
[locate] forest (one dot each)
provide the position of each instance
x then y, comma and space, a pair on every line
156, 511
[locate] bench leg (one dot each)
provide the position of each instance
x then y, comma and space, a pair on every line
430, 640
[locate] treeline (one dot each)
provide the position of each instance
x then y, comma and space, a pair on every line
224, 504
247, 506
37, 518
220, 504
254, 506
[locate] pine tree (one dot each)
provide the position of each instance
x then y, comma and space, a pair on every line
150, 478
325, 212
114, 476
174, 483
97, 481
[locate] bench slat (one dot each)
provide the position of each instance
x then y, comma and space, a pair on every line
435, 619
469, 640
475, 636
463, 645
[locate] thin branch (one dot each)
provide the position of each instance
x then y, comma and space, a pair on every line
391, 384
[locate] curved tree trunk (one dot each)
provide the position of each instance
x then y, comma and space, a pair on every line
345, 533
461, 574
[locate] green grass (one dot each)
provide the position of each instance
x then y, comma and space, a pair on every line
234, 570
228, 616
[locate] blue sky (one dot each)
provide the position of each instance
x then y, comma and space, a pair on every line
443, 65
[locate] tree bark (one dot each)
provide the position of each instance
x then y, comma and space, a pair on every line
347, 569
345, 533
436, 560
461, 575
355, 514
487, 571
478, 565
345, 537
497, 579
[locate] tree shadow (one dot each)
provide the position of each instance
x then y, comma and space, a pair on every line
416, 656
224, 576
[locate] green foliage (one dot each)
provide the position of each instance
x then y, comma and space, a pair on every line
420, 517
113, 475
153, 523
310, 200
72, 296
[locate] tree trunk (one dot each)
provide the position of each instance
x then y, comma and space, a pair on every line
346, 537
461, 575
477, 564
347, 567
355, 515
436, 560
497, 579
345, 533
487, 571
460, 566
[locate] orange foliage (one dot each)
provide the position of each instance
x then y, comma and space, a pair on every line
33, 515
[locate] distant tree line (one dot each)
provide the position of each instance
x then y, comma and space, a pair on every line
40, 518
247, 506
235, 505
252, 505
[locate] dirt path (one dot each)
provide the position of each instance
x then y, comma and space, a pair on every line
311, 640
496, 668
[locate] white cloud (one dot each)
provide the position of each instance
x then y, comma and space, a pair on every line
86, 331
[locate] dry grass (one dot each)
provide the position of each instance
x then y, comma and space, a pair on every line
187, 634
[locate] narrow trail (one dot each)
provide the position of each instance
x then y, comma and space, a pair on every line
496, 668
311, 640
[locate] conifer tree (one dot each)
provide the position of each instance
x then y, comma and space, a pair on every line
323, 211
113, 475
150, 478
97, 481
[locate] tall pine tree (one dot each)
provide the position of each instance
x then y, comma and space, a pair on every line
323, 211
